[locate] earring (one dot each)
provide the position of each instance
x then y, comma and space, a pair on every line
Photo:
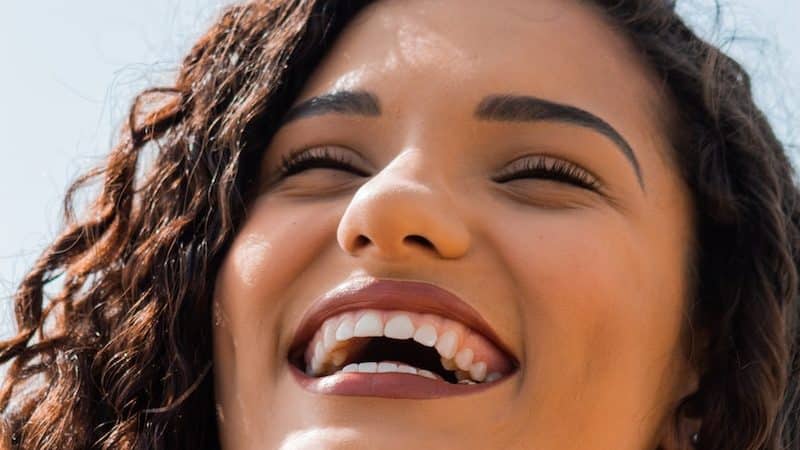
695, 439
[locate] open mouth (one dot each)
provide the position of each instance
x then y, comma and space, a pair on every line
430, 348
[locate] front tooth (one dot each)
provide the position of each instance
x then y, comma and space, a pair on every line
478, 371
368, 367
446, 344
316, 366
345, 330
370, 324
492, 377
427, 374
404, 368
338, 357
319, 351
464, 358
426, 335
466, 381
384, 367
329, 335
350, 368
448, 363
399, 327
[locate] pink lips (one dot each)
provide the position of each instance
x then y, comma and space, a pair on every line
389, 385
378, 294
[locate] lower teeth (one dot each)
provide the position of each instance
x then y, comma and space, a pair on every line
387, 367
462, 377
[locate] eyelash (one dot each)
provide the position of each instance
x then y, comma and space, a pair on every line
551, 169
317, 157
542, 167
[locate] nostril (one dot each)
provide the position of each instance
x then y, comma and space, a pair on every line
362, 241
417, 239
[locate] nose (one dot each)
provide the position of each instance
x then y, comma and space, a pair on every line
396, 212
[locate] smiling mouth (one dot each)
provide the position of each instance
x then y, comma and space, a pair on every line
430, 344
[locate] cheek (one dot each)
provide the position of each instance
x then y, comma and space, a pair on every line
602, 304
276, 242
274, 246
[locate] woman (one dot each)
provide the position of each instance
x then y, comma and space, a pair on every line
425, 224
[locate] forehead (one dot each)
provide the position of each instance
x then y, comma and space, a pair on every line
556, 49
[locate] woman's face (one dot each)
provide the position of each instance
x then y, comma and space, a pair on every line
512, 154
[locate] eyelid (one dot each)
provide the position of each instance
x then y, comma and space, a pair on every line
540, 157
321, 153
554, 164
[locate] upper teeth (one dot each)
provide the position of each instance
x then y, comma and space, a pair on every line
462, 350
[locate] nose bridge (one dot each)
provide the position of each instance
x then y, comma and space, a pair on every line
402, 207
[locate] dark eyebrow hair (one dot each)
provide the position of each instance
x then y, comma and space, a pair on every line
521, 108
346, 102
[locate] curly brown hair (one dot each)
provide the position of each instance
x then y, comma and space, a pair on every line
119, 356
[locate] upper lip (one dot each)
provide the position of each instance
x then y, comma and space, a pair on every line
385, 294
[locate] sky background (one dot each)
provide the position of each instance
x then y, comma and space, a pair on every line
71, 68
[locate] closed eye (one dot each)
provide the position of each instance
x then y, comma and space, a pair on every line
549, 168
539, 167
316, 158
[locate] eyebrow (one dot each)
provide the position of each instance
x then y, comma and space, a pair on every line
344, 102
521, 108
499, 108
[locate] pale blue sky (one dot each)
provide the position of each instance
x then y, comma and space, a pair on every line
70, 69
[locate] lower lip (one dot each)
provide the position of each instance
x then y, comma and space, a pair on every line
387, 385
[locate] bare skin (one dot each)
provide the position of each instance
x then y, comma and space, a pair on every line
586, 286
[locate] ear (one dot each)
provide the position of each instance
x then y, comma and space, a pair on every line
679, 436
677, 432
